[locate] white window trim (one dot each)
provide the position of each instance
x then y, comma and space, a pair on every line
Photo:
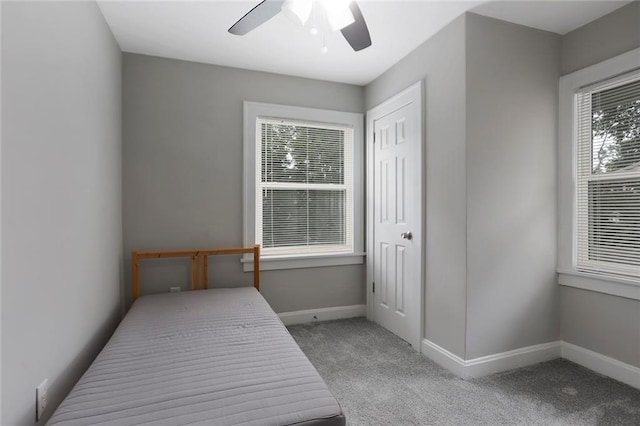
567, 169
253, 110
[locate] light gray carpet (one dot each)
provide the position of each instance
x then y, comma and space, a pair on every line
379, 380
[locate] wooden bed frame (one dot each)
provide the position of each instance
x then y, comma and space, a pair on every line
199, 264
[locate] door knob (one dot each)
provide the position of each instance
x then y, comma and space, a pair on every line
407, 235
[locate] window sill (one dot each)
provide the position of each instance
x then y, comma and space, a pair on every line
608, 284
269, 263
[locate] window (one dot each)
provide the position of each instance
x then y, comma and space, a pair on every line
304, 180
598, 200
608, 177
302, 185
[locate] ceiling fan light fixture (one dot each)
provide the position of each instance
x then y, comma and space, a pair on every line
333, 6
297, 11
343, 15
338, 13
340, 20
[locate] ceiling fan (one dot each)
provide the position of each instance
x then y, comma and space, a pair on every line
343, 15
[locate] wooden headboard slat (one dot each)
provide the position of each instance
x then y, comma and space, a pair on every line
206, 271
199, 264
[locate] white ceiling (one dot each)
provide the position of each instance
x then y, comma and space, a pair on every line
197, 31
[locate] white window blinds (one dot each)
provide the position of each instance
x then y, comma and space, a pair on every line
608, 177
304, 187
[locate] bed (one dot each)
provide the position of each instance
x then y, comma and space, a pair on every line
204, 357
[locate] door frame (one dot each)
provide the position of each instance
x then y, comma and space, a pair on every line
412, 94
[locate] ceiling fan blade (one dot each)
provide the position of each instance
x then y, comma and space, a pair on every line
257, 16
357, 34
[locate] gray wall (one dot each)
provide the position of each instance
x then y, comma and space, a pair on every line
609, 36
606, 324
182, 171
602, 323
491, 200
512, 113
441, 63
61, 198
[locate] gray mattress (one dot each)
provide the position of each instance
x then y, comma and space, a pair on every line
208, 357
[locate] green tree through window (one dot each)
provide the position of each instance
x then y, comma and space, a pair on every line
613, 188
304, 184
615, 126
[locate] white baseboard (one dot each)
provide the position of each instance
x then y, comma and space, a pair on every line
322, 314
478, 367
602, 364
444, 358
509, 360
490, 364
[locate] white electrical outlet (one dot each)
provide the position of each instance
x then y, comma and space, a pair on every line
41, 398
174, 289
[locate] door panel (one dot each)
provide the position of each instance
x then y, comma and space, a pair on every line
397, 213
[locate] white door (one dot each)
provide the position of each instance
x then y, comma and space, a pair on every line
397, 215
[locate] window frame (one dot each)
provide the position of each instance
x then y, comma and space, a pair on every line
568, 272
585, 177
255, 110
